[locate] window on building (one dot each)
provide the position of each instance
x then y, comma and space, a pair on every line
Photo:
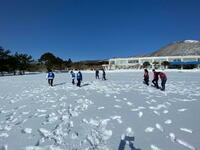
160, 60
175, 60
145, 60
121, 62
189, 59
133, 61
112, 62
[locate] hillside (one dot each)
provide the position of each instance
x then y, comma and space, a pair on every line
181, 48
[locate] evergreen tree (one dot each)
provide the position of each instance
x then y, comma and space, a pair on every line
48, 59
24, 62
165, 63
146, 64
4, 56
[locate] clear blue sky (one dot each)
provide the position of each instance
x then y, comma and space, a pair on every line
96, 29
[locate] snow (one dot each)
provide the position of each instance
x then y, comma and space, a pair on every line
168, 121
149, 129
27, 130
191, 41
153, 147
186, 130
100, 115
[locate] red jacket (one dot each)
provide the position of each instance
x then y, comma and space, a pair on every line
155, 76
146, 75
162, 75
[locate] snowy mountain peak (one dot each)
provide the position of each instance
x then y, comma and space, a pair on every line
191, 41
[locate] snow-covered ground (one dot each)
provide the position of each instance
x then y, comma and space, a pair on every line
98, 115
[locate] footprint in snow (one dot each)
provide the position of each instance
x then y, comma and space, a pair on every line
149, 129
4, 135
74, 135
182, 110
168, 121
186, 130
159, 127
107, 95
153, 101
117, 106
129, 103
148, 102
154, 147
156, 112
100, 108
173, 138
118, 118
165, 111
117, 100
27, 130
140, 114
125, 99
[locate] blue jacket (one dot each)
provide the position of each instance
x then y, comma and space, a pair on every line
79, 76
50, 75
73, 75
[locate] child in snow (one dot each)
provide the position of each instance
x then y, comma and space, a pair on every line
155, 79
97, 74
146, 77
50, 76
163, 79
73, 77
79, 78
104, 75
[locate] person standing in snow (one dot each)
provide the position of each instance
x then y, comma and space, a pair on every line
73, 77
50, 76
155, 79
163, 79
79, 78
97, 74
104, 75
146, 77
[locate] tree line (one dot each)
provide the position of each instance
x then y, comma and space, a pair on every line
146, 64
18, 63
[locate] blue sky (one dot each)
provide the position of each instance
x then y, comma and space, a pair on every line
96, 29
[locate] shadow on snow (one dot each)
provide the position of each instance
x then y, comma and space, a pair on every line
128, 140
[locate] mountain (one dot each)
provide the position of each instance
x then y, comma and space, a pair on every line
181, 48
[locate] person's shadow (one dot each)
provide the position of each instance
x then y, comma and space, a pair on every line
86, 84
130, 140
59, 84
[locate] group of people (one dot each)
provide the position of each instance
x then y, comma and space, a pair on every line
156, 76
50, 76
103, 74
77, 76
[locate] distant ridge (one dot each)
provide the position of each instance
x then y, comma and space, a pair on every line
181, 48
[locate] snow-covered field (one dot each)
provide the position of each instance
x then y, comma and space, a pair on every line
98, 115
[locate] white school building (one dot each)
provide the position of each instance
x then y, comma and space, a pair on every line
154, 62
